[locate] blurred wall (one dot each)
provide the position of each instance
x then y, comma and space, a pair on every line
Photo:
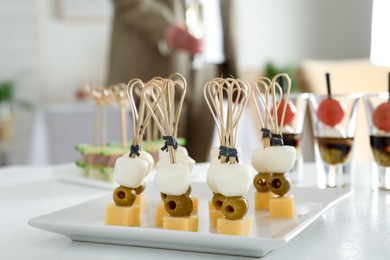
285, 31
19, 63
73, 51
60, 55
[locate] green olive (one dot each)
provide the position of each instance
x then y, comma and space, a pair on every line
124, 196
188, 192
163, 196
140, 189
178, 206
217, 200
234, 208
260, 182
279, 184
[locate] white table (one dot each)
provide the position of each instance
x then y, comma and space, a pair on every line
356, 228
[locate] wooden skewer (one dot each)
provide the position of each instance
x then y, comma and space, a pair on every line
163, 108
237, 93
141, 115
118, 91
263, 86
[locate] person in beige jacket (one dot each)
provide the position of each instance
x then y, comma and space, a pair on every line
149, 39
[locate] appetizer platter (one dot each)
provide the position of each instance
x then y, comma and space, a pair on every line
230, 210
85, 222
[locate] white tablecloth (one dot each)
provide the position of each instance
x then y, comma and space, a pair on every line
356, 228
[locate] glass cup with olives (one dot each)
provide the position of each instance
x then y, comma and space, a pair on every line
334, 120
377, 108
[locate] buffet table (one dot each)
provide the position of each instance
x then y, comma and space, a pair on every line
358, 227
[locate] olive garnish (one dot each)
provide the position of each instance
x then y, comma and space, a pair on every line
178, 206
124, 196
234, 208
279, 184
217, 200
260, 182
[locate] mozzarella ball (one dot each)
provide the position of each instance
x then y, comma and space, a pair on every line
258, 160
173, 179
233, 179
211, 176
148, 158
181, 158
279, 159
130, 172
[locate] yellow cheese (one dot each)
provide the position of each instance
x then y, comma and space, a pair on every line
214, 214
262, 200
282, 207
141, 201
160, 214
123, 216
195, 203
189, 223
240, 227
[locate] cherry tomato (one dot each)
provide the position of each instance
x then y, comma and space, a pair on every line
331, 112
290, 113
381, 117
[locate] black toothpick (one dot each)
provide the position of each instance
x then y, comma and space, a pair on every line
328, 84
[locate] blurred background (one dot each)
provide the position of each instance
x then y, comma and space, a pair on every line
50, 48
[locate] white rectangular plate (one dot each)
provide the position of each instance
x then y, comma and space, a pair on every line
70, 173
85, 222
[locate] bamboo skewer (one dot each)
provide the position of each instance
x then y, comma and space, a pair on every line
237, 93
136, 89
164, 110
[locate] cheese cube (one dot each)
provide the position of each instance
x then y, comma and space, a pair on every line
240, 227
160, 214
189, 223
214, 214
262, 200
282, 207
195, 203
140, 200
123, 216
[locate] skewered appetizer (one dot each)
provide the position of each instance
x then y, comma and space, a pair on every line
93, 157
174, 168
131, 169
274, 159
260, 181
227, 178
